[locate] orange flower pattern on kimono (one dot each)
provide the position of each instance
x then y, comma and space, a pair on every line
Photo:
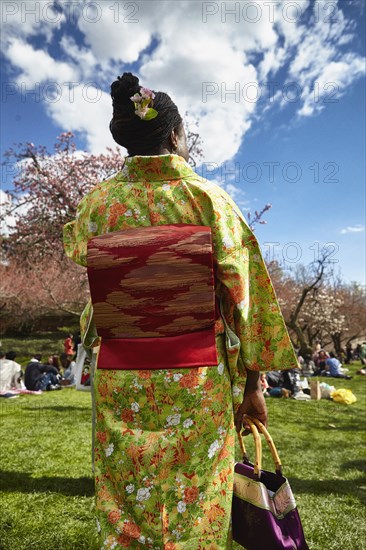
164, 445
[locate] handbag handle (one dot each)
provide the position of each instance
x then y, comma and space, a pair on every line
259, 427
258, 447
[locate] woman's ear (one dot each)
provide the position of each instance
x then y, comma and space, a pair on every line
174, 139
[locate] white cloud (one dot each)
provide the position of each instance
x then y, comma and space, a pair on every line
288, 20
319, 67
29, 18
86, 109
331, 83
120, 34
83, 57
272, 61
37, 66
352, 229
72, 102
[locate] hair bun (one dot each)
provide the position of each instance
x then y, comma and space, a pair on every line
124, 87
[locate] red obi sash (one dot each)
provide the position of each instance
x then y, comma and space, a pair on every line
152, 290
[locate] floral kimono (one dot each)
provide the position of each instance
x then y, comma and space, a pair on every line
164, 438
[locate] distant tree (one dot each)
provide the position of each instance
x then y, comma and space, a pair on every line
296, 291
318, 306
28, 295
350, 303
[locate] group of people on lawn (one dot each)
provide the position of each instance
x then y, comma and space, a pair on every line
320, 363
58, 371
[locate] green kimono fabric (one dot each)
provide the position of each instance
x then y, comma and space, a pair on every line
164, 452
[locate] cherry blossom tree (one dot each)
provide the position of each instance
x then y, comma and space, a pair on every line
318, 306
48, 187
29, 295
351, 304
37, 276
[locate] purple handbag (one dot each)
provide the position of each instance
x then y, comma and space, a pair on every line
264, 513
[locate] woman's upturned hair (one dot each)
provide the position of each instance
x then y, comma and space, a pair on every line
140, 136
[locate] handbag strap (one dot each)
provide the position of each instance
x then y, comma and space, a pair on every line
259, 427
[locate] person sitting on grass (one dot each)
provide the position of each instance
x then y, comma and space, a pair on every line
334, 368
54, 361
264, 384
41, 377
320, 362
362, 353
69, 366
275, 386
10, 372
308, 366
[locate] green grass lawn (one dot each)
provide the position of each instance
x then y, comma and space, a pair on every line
47, 487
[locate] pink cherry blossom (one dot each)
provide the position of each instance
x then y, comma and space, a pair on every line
136, 98
146, 93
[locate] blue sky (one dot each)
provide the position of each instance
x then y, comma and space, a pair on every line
300, 146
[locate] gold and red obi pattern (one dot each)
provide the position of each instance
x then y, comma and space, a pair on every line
152, 290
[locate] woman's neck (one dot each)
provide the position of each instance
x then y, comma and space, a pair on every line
153, 152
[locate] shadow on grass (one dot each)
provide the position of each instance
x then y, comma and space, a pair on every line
23, 482
341, 426
355, 465
330, 487
58, 408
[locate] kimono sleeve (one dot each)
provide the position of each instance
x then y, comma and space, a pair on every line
77, 233
248, 298
75, 239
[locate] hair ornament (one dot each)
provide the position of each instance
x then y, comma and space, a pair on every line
143, 101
